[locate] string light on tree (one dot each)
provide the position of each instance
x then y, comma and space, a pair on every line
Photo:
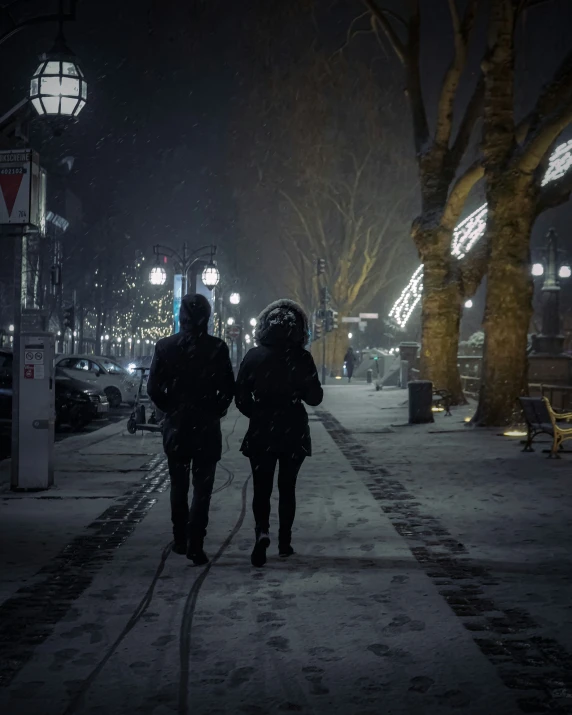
468, 232
559, 163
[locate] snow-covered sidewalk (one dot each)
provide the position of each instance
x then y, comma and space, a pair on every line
431, 576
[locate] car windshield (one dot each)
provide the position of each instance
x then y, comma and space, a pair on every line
113, 368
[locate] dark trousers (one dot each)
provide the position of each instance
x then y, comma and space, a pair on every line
191, 524
350, 369
263, 468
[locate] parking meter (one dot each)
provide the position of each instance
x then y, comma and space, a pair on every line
33, 412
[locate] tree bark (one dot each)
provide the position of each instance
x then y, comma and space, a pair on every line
508, 308
441, 317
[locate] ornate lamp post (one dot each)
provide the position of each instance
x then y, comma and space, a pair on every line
550, 341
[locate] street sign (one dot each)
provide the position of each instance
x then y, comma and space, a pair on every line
20, 189
369, 316
345, 319
233, 332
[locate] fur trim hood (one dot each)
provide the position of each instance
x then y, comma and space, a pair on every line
283, 322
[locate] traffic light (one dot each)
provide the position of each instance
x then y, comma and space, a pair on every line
331, 320
318, 330
321, 266
69, 317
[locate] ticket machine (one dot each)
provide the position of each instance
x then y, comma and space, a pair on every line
33, 413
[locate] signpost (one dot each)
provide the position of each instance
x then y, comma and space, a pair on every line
369, 316
22, 214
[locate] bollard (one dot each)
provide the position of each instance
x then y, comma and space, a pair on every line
369, 376
420, 402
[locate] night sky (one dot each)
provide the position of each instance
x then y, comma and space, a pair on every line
153, 149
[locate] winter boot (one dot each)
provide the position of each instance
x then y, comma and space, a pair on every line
179, 547
284, 544
195, 552
258, 556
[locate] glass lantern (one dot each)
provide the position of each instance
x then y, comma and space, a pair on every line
58, 88
211, 276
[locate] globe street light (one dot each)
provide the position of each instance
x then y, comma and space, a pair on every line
565, 271
211, 276
537, 270
230, 321
157, 276
468, 303
253, 322
234, 298
58, 88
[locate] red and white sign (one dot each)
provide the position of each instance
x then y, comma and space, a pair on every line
233, 332
19, 187
28, 372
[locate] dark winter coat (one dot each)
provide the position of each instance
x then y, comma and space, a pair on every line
192, 381
350, 358
274, 380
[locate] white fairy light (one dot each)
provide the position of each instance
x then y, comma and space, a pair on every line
559, 163
468, 232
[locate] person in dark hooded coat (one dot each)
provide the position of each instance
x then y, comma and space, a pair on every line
192, 381
274, 380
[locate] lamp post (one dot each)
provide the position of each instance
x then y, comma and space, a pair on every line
58, 93
550, 341
185, 263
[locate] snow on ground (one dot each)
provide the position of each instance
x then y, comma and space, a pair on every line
354, 623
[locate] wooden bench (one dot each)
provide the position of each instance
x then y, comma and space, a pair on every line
541, 419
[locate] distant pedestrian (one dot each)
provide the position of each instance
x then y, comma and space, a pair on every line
274, 380
350, 360
192, 382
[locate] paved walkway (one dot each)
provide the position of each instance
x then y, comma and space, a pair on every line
433, 576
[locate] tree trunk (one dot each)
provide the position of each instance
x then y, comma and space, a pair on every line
508, 306
441, 317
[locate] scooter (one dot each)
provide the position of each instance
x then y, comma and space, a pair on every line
138, 418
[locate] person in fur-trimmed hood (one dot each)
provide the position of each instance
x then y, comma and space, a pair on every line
274, 380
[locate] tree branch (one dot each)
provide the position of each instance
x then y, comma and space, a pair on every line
459, 193
413, 82
536, 146
554, 194
473, 112
380, 15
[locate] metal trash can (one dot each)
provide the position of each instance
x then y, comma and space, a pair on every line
369, 376
420, 402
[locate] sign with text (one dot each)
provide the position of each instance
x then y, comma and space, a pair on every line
20, 188
350, 320
369, 316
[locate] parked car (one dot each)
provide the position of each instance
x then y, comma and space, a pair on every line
77, 403
117, 383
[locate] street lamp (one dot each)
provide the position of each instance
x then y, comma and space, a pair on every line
230, 321
350, 336
468, 303
234, 298
157, 275
537, 270
58, 88
550, 341
211, 276
253, 322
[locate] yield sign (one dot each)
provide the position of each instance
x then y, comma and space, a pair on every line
10, 182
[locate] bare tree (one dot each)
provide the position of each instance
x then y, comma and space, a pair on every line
331, 151
444, 183
515, 157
